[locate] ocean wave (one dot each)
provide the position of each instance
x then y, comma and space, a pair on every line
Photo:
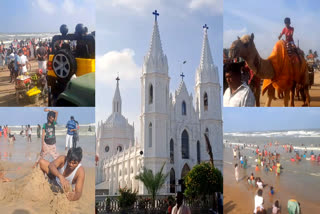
298, 133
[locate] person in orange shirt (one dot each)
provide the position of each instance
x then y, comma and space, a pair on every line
257, 168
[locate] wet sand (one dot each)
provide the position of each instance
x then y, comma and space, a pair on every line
239, 197
314, 95
7, 90
29, 192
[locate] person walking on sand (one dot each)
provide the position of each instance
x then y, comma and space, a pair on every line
71, 126
236, 172
66, 173
180, 208
294, 207
48, 140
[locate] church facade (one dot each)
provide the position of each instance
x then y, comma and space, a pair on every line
172, 126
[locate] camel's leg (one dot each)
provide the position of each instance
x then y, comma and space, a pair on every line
257, 95
293, 89
306, 92
286, 98
271, 95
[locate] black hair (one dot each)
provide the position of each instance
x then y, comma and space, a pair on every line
233, 67
74, 154
72, 117
51, 114
260, 192
20, 51
287, 20
276, 204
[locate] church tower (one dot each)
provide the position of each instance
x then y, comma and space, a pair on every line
154, 103
208, 102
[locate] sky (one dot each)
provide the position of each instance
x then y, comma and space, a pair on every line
46, 15
270, 119
16, 116
124, 29
266, 20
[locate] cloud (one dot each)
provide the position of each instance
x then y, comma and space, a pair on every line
68, 6
230, 35
135, 5
213, 5
118, 62
46, 6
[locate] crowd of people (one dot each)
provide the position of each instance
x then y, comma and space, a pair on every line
267, 159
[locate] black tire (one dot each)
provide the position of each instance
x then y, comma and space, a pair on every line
64, 65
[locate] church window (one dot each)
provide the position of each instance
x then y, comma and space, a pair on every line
185, 145
151, 94
106, 149
150, 135
119, 148
198, 152
205, 101
171, 151
172, 181
184, 108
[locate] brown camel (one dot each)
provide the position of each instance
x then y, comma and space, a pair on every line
282, 79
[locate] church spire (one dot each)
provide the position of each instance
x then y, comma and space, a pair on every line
206, 71
155, 60
116, 103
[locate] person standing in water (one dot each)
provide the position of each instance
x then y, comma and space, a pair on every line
71, 126
29, 131
38, 130
236, 172
48, 140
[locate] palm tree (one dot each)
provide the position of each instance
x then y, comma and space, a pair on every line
152, 182
209, 149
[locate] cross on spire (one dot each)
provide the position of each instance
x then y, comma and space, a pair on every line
118, 79
205, 27
182, 75
155, 13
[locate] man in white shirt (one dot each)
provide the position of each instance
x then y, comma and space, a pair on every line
23, 62
179, 208
258, 201
238, 94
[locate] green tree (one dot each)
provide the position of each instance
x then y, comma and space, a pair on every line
203, 180
126, 198
152, 182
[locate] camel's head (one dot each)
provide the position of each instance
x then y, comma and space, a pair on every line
241, 47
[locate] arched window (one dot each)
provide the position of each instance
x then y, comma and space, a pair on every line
198, 152
119, 148
150, 135
171, 151
185, 145
172, 181
106, 149
205, 101
184, 108
150, 94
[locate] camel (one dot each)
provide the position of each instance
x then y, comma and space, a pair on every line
277, 71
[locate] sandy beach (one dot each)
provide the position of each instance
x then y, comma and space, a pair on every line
29, 191
314, 95
7, 90
239, 197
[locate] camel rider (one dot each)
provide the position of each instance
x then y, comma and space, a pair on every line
288, 32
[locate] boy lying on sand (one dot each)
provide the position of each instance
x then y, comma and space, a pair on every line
66, 172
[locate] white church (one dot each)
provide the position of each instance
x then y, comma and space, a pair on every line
172, 125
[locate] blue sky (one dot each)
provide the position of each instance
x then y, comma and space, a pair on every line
46, 15
266, 20
124, 30
264, 119
14, 116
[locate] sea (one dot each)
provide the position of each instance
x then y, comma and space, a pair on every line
299, 179
7, 38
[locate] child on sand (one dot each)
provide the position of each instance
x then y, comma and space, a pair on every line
257, 168
48, 136
276, 207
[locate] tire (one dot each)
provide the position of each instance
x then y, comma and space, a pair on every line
64, 65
